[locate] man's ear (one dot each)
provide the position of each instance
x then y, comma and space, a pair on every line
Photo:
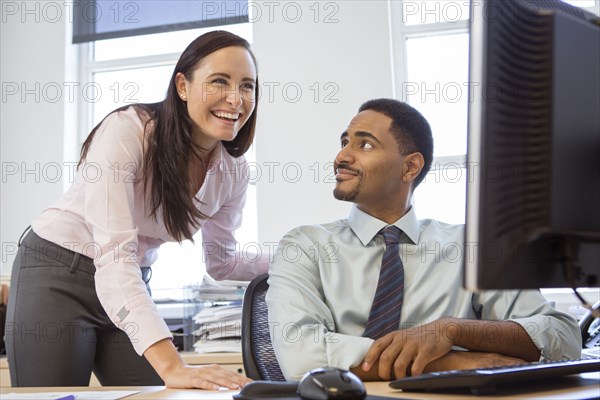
412, 166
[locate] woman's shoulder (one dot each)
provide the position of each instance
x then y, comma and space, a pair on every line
121, 135
133, 116
124, 125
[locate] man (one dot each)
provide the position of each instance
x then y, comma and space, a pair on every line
323, 295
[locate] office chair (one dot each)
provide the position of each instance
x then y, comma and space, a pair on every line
257, 350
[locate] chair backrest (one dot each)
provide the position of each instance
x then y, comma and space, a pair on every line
259, 358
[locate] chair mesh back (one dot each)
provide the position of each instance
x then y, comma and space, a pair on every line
260, 336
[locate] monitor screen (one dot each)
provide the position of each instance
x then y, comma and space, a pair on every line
533, 157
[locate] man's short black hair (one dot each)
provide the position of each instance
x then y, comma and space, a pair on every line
409, 127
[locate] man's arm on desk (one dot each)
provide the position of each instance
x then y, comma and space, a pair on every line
519, 324
428, 348
450, 361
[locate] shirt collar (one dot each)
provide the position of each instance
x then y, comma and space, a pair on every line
366, 227
217, 160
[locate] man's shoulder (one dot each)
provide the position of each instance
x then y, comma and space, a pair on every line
315, 231
443, 229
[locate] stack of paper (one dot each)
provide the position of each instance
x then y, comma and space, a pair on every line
220, 290
219, 322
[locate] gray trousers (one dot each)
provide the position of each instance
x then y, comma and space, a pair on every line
57, 332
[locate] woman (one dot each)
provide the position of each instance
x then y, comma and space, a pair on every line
148, 173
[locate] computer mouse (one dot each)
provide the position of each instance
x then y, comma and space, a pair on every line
331, 383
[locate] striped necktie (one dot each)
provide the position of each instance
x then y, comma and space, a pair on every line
387, 304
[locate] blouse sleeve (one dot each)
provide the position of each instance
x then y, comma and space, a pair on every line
112, 166
222, 254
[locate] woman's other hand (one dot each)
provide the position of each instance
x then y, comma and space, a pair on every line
169, 365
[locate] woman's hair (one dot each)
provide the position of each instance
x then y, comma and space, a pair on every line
169, 146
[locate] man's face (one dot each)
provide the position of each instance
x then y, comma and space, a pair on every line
369, 166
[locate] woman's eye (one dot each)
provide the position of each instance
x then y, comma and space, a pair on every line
219, 81
248, 86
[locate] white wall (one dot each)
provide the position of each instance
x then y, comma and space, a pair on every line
32, 67
344, 48
342, 55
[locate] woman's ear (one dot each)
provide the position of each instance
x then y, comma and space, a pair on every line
181, 85
412, 166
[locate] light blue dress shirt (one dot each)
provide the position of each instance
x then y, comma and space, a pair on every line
323, 279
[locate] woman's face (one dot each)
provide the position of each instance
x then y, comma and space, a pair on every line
220, 96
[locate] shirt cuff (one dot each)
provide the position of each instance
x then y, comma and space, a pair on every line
143, 325
344, 351
537, 329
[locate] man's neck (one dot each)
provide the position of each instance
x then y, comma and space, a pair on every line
388, 215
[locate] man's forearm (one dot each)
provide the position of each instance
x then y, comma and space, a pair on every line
503, 337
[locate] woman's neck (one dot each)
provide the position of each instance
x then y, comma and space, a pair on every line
199, 164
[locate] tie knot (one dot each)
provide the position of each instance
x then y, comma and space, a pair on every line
391, 234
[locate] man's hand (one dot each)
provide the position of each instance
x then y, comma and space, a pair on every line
471, 360
409, 349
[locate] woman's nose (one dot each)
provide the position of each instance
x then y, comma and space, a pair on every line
233, 97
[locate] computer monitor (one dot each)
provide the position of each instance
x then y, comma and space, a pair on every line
533, 157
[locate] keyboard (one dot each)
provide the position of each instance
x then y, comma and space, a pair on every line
484, 380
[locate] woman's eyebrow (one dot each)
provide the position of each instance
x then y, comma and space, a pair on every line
229, 77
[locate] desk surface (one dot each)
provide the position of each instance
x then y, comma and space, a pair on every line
191, 357
583, 386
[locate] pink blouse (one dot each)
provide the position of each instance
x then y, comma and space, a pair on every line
105, 216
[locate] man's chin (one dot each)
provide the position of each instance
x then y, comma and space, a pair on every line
345, 195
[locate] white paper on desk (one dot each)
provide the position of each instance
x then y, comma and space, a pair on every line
222, 394
91, 395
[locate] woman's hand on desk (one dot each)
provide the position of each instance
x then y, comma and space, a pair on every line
211, 377
167, 362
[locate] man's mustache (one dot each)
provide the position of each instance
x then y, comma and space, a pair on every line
346, 166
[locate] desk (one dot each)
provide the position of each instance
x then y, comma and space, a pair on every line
230, 361
583, 386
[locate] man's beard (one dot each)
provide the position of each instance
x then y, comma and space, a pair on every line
348, 195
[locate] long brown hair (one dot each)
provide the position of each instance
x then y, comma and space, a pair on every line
169, 146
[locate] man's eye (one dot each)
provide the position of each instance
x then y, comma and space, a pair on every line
344, 144
367, 145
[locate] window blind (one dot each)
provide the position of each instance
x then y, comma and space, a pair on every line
108, 19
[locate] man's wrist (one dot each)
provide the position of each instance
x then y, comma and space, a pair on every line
449, 329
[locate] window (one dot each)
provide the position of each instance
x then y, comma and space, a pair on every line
137, 69
431, 44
